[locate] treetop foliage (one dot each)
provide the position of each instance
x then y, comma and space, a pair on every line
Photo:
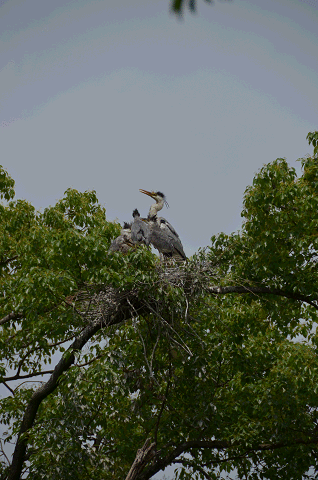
312, 138
6, 185
210, 365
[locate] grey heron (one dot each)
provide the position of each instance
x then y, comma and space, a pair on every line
140, 232
163, 236
123, 242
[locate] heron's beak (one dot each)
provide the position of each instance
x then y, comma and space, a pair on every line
150, 194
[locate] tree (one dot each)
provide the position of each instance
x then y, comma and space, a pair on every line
198, 365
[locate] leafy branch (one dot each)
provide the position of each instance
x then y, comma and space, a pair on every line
112, 307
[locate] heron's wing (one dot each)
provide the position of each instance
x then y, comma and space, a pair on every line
177, 245
173, 236
140, 232
135, 233
163, 223
166, 241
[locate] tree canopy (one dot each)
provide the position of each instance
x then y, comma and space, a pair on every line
117, 366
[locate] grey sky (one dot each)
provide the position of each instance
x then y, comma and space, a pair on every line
120, 95
117, 96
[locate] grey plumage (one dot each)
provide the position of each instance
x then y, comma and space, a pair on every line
164, 240
140, 232
123, 242
163, 236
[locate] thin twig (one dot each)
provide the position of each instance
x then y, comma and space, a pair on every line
30, 375
10, 316
142, 341
12, 391
154, 348
183, 345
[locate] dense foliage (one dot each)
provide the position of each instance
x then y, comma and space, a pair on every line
214, 361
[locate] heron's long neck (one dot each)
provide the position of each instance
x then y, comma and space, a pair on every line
154, 209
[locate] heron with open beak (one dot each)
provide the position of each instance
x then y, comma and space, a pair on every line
162, 234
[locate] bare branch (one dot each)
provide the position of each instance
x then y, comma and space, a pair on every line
162, 406
8, 260
161, 463
3, 452
263, 290
10, 389
188, 463
10, 316
144, 455
182, 344
30, 375
154, 348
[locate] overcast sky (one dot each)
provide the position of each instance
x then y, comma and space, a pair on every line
120, 95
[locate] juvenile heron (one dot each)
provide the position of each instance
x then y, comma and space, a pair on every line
123, 242
140, 232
